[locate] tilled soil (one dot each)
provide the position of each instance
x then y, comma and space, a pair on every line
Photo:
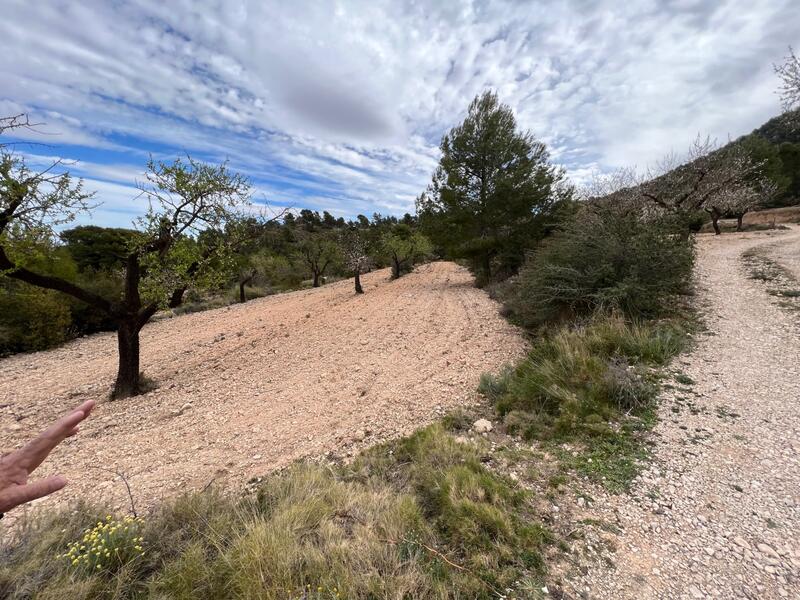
250, 388
717, 515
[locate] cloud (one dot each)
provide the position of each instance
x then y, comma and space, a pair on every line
342, 105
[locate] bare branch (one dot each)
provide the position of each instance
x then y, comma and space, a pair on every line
789, 73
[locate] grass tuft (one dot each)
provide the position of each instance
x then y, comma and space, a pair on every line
594, 384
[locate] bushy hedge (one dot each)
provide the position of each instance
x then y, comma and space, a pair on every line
607, 256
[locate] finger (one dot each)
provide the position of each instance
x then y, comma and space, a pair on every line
25, 493
37, 450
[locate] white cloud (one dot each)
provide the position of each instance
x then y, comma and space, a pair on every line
341, 105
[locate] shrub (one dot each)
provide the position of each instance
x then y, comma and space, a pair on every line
31, 319
609, 257
576, 380
107, 547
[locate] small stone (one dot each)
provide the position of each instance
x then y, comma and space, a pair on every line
581, 501
482, 426
360, 435
767, 550
741, 542
696, 593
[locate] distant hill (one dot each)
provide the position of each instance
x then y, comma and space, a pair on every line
780, 129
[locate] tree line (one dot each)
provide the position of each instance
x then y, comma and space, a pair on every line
198, 235
496, 201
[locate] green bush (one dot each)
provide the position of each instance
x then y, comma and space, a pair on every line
608, 257
31, 318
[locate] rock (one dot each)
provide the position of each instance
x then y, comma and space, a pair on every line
767, 550
360, 435
581, 501
179, 411
696, 593
482, 426
741, 542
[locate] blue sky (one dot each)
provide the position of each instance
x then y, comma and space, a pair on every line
340, 106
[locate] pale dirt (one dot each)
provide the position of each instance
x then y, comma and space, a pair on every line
717, 514
289, 376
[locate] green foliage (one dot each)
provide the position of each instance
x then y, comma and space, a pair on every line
31, 318
790, 160
593, 384
417, 518
606, 257
316, 253
576, 380
96, 248
493, 192
404, 246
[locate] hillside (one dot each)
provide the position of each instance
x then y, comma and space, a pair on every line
243, 390
780, 129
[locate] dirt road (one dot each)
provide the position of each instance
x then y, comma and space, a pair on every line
250, 388
718, 513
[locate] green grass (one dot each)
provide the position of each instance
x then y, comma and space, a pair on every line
418, 518
593, 385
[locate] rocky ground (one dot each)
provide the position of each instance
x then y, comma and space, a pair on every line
250, 388
717, 514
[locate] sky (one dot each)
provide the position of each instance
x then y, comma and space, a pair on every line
340, 106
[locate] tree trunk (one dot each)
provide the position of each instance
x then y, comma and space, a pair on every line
177, 297
242, 283
127, 383
487, 267
359, 289
316, 280
395, 268
715, 223
739, 222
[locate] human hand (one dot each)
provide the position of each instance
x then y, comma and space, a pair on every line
15, 468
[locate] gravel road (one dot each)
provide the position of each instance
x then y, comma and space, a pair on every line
717, 515
250, 388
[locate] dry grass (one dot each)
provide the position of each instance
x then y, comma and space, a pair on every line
418, 518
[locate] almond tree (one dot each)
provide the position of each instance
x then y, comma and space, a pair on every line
789, 73
356, 258
185, 199
721, 182
318, 251
404, 246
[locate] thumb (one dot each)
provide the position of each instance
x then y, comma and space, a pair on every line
25, 493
